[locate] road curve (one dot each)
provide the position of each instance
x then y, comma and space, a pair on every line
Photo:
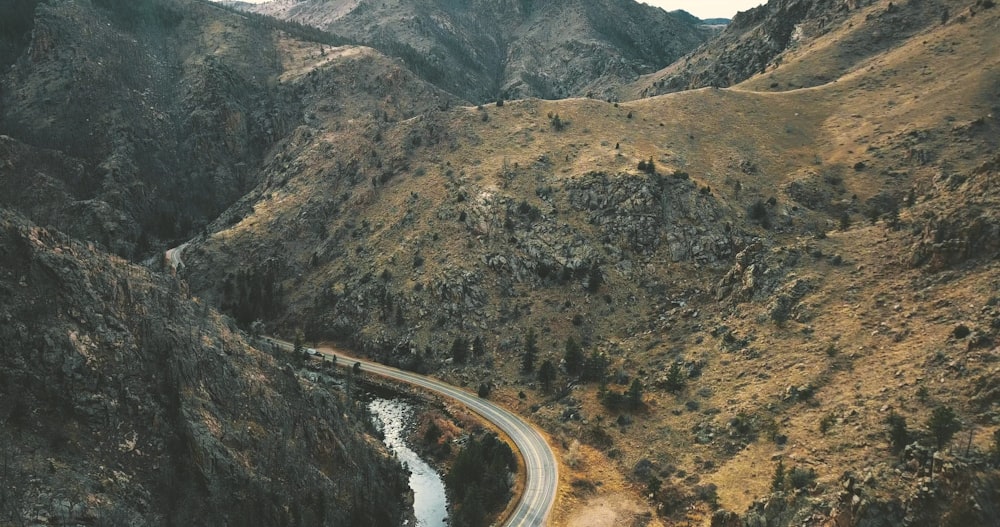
539, 460
173, 257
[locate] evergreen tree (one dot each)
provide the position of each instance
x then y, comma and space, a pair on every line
573, 357
530, 352
478, 348
595, 368
460, 350
943, 425
675, 378
778, 480
547, 374
594, 279
635, 394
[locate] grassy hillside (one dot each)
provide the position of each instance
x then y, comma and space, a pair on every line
806, 257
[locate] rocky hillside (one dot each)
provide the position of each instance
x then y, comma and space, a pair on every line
803, 260
125, 401
485, 49
131, 123
824, 39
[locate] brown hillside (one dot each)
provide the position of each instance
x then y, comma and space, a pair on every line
836, 302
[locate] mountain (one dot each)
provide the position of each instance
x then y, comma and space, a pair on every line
125, 401
798, 256
485, 49
813, 33
142, 128
773, 303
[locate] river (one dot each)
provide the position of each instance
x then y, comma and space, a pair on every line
430, 505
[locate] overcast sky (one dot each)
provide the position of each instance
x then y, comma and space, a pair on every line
707, 8
698, 8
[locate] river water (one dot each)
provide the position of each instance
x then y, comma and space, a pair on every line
430, 505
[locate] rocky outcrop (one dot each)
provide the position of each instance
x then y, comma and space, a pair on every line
962, 223
123, 401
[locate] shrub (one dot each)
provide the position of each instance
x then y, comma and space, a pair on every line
800, 478
826, 423
557, 123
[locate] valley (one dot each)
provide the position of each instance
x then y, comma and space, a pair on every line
747, 278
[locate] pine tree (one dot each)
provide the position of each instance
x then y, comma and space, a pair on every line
547, 374
635, 394
530, 352
460, 350
943, 425
778, 480
573, 357
675, 378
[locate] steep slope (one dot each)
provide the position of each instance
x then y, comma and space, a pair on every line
774, 253
798, 43
158, 111
124, 401
484, 49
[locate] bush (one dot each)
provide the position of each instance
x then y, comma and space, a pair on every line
826, 423
800, 478
557, 123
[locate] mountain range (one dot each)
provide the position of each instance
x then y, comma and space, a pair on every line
785, 229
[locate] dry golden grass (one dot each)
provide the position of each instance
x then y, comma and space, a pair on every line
882, 320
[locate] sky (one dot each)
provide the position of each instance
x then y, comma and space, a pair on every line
698, 8
707, 8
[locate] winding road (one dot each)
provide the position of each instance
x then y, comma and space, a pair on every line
539, 460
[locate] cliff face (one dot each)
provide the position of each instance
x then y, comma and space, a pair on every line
484, 49
124, 401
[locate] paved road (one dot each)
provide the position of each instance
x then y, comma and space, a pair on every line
540, 463
173, 256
